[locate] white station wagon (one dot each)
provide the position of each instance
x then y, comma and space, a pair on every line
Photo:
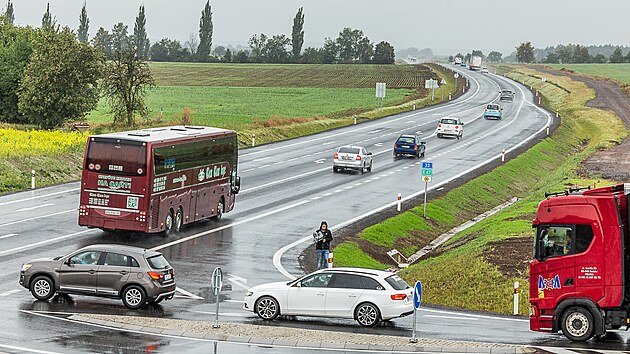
365, 295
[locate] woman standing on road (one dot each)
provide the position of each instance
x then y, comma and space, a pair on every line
323, 236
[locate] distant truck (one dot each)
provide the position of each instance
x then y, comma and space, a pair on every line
475, 63
579, 278
458, 60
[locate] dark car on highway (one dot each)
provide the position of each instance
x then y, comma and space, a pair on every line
409, 144
507, 95
135, 275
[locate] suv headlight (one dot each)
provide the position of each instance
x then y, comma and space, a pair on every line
249, 293
25, 267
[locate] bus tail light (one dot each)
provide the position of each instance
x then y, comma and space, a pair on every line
142, 217
398, 296
91, 166
97, 167
140, 171
83, 210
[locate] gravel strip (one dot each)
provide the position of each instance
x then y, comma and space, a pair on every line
283, 334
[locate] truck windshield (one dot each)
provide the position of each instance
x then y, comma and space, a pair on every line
553, 241
116, 157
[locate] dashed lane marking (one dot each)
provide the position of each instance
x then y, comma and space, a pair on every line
7, 236
35, 207
9, 293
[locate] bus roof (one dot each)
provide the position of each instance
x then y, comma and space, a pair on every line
166, 133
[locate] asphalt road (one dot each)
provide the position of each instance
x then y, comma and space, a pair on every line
287, 189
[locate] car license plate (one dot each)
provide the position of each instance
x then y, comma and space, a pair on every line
168, 276
347, 157
405, 146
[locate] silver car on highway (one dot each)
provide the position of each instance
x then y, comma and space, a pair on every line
135, 275
352, 158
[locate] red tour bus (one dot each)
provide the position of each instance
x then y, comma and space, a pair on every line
156, 180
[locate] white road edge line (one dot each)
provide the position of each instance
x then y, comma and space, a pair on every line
35, 207
17, 249
39, 196
10, 292
28, 350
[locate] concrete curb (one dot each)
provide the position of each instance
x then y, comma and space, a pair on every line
206, 336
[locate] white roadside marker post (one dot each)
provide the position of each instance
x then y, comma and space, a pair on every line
253, 139
355, 119
32, 179
503, 155
330, 259
547, 130
516, 286
398, 205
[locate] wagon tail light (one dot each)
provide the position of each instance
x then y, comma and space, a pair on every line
415, 147
156, 275
395, 146
336, 156
358, 157
440, 125
398, 296
457, 127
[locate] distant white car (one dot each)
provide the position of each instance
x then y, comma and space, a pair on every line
449, 126
365, 295
352, 158
484, 70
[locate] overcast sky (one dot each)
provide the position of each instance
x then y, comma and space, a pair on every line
446, 26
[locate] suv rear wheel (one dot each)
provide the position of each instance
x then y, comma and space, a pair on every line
134, 297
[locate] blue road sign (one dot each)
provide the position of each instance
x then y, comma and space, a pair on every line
417, 295
427, 165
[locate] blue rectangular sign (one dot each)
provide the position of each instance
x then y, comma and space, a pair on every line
427, 165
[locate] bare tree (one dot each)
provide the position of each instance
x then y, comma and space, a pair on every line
192, 43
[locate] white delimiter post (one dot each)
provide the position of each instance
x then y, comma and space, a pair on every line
398, 205
32, 179
253, 139
330, 259
503, 155
516, 298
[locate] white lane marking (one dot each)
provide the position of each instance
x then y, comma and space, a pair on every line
237, 278
26, 350
188, 294
10, 292
320, 161
277, 163
349, 187
247, 170
40, 196
263, 166
277, 257
38, 217
17, 249
460, 314
7, 236
338, 190
316, 198
450, 317
262, 158
328, 143
35, 207
378, 144
240, 222
327, 194
410, 122
372, 126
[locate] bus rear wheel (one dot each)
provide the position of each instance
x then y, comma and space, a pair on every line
168, 224
179, 220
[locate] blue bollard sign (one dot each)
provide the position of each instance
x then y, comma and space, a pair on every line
417, 295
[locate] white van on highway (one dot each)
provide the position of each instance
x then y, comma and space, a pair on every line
449, 126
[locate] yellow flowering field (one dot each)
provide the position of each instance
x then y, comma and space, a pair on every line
18, 143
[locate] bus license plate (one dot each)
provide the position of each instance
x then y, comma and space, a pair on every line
112, 212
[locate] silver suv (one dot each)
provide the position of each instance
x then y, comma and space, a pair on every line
135, 275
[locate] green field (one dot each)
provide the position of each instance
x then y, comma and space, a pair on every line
236, 107
283, 75
475, 269
619, 72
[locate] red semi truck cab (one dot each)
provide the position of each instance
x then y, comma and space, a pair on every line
579, 277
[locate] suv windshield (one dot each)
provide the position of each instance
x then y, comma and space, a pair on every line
348, 150
158, 262
397, 282
448, 121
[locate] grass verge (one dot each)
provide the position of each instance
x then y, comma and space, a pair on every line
474, 270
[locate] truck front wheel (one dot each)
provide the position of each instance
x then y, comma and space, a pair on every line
577, 324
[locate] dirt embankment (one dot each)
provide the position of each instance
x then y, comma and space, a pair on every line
612, 164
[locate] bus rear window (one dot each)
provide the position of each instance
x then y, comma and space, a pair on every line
117, 157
